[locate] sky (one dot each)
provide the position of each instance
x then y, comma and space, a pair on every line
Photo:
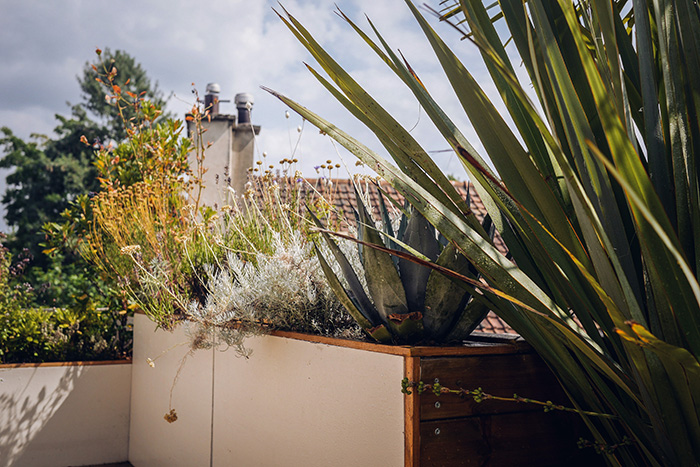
239, 44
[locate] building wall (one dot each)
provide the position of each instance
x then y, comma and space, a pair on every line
227, 159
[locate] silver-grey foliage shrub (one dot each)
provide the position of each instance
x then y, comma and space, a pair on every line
285, 290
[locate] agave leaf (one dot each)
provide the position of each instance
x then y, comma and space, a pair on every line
356, 293
419, 235
386, 221
472, 315
356, 214
379, 333
409, 326
403, 224
445, 299
383, 281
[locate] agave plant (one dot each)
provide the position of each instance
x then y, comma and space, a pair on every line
407, 302
596, 196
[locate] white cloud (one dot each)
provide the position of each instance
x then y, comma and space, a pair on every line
240, 44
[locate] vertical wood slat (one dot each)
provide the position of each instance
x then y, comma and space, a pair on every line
411, 370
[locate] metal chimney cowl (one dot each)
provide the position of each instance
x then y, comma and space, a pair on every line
211, 99
244, 104
230, 143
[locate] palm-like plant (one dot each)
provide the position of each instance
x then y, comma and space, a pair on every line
597, 200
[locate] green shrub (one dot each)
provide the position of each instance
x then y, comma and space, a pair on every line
56, 334
34, 334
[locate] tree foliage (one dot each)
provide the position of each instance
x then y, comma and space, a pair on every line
48, 173
129, 76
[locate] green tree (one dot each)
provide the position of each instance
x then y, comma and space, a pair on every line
129, 76
49, 173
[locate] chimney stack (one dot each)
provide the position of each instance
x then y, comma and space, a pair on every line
244, 104
230, 142
211, 99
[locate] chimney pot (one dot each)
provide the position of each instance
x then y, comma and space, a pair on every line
244, 104
211, 99
213, 88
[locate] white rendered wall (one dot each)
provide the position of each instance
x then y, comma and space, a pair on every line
153, 441
296, 403
66, 415
292, 403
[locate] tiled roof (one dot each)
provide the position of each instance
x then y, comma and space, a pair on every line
492, 324
341, 194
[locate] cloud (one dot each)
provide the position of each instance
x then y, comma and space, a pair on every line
240, 44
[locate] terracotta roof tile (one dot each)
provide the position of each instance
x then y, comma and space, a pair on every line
342, 195
492, 324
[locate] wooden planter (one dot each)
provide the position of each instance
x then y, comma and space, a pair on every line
313, 401
449, 430
61, 414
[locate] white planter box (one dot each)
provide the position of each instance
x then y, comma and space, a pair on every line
312, 401
64, 414
292, 403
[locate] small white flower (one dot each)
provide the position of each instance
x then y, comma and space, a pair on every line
130, 249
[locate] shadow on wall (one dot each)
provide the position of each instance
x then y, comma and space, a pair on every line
29, 398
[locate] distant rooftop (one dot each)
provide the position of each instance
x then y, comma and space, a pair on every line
342, 195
